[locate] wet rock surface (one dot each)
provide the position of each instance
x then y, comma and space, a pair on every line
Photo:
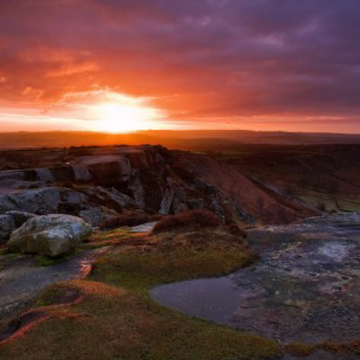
22, 280
304, 288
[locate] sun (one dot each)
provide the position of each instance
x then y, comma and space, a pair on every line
116, 118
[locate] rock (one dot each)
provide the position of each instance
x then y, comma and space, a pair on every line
138, 192
7, 204
82, 173
44, 174
11, 186
20, 217
167, 202
137, 159
51, 235
116, 197
93, 216
38, 201
110, 173
7, 226
180, 201
71, 201
12, 175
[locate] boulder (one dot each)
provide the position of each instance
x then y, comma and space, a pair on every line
20, 217
51, 235
7, 226
93, 216
38, 201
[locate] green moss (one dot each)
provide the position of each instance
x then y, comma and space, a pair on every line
134, 269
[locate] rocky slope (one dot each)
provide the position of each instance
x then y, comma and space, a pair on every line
98, 183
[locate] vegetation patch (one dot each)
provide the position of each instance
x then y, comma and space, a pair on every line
111, 323
117, 319
190, 219
117, 237
59, 294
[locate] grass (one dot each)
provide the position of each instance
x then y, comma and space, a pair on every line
138, 271
116, 318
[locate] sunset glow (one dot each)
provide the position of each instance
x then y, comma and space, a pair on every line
264, 65
122, 118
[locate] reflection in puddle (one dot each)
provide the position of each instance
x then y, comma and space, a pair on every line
213, 299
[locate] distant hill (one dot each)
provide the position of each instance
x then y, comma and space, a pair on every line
199, 140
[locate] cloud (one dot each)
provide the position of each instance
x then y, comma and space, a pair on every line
201, 59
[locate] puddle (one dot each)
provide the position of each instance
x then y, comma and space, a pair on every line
213, 299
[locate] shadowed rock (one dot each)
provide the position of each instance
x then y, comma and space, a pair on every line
7, 226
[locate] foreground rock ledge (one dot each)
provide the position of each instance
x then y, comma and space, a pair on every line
50, 235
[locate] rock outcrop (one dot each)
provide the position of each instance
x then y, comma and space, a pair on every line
150, 178
51, 235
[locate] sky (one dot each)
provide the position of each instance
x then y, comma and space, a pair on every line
122, 65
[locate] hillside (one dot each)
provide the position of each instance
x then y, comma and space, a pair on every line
197, 140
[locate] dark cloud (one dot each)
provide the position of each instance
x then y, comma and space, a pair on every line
210, 58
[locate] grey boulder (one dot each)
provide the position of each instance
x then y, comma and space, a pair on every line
50, 235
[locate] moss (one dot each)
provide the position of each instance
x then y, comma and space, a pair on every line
143, 270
